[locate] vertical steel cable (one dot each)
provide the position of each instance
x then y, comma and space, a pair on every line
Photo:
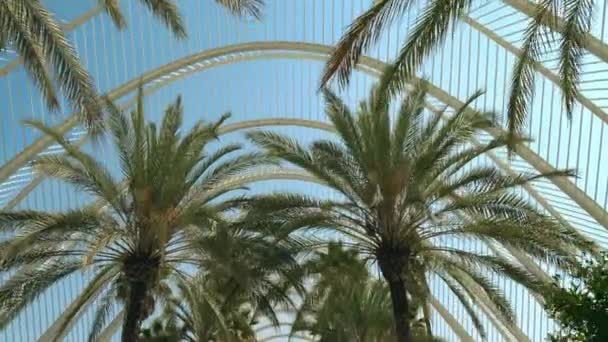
134, 65
12, 115
542, 103
123, 44
142, 28
588, 160
486, 85
323, 22
578, 149
569, 145
599, 162
550, 130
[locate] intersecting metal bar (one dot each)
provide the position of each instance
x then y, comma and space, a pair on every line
452, 322
368, 65
107, 334
582, 99
593, 45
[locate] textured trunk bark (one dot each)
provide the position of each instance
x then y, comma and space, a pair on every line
401, 310
134, 312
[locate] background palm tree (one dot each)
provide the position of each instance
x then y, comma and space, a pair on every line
432, 27
409, 192
347, 304
48, 57
139, 234
244, 276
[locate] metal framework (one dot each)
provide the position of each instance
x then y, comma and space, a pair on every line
369, 65
159, 77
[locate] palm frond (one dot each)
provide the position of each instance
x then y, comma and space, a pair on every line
430, 30
467, 305
112, 8
26, 285
75, 82
166, 10
101, 280
522, 83
361, 34
242, 8
34, 59
102, 313
578, 16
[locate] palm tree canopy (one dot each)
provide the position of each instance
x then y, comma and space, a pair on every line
432, 27
346, 303
409, 192
143, 229
245, 275
48, 57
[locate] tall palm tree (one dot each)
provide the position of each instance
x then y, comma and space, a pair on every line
245, 276
347, 304
140, 233
48, 57
432, 27
409, 190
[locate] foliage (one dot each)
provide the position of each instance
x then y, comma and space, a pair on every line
246, 275
139, 234
49, 58
347, 304
440, 16
582, 308
408, 188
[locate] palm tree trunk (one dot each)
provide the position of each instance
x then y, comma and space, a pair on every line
392, 271
401, 310
134, 312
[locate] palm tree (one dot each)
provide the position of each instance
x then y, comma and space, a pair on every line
141, 232
347, 304
48, 56
408, 190
432, 27
245, 275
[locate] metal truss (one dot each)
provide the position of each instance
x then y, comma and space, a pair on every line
157, 78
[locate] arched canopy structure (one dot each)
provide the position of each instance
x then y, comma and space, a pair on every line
479, 55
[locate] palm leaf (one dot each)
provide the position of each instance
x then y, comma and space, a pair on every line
243, 8
361, 34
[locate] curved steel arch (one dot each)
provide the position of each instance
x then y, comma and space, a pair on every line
369, 65
288, 336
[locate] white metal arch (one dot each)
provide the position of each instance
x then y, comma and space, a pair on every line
369, 65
